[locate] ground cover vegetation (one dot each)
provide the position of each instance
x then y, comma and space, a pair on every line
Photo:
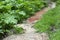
50, 23
13, 12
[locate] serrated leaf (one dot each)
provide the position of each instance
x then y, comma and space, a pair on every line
22, 13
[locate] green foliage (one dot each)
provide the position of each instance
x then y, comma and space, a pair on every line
14, 11
18, 30
50, 23
58, 2
55, 35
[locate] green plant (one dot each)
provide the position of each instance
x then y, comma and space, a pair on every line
18, 30
55, 35
58, 2
47, 21
50, 23
14, 11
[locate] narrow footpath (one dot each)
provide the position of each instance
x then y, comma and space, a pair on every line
30, 32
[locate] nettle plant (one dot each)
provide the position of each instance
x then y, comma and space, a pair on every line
14, 11
50, 23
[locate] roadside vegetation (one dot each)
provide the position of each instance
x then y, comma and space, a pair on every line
50, 23
13, 12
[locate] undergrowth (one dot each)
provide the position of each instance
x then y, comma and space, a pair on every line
13, 12
50, 23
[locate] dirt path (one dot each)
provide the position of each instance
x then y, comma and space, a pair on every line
30, 32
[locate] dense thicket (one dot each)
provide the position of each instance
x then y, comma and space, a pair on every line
14, 11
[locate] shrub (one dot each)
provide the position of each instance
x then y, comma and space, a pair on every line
14, 11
